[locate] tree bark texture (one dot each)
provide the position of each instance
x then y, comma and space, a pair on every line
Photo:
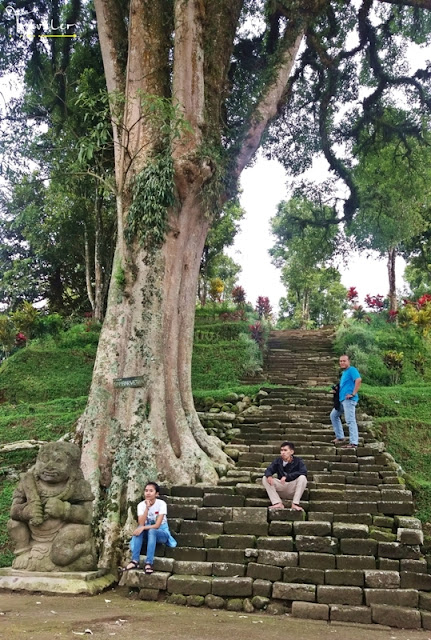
393, 303
152, 432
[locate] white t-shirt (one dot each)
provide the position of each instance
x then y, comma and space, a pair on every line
156, 509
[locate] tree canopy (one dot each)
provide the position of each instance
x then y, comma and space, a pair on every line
315, 296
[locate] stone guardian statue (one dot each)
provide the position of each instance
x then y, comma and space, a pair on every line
51, 513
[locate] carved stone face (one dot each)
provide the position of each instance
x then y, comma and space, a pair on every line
53, 464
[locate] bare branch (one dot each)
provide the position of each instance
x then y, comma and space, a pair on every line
270, 102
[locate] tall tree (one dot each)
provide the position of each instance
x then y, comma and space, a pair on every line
61, 125
305, 245
214, 263
393, 178
195, 85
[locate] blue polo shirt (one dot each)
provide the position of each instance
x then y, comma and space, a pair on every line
347, 383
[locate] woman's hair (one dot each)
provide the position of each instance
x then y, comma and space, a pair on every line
155, 485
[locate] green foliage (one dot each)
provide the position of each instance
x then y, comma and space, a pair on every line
153, 194
376, 348
48, 325
25, 318
214, 309
402, 421
220, 394
215, 263
217, 366
6, 491
49, 369
7, 333
307, 241
120, 277
153, 186
393, 178
208, 333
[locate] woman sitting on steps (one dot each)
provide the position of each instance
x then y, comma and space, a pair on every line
153, 528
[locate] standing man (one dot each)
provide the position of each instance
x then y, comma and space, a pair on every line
292, 478
349, 386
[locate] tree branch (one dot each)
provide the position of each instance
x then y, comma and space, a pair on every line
418, 4
271, 100
188, 72
112, 36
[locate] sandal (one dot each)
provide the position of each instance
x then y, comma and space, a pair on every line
135, 565
148, 569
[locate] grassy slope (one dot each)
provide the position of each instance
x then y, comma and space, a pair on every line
403, 418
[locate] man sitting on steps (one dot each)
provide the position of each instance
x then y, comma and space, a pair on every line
292, 478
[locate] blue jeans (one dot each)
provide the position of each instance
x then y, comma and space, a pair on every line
348, 407
150, 538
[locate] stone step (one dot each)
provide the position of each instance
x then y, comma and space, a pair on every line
353, 554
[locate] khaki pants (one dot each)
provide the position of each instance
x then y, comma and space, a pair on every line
279, 491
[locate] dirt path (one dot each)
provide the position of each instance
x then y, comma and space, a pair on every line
112, 616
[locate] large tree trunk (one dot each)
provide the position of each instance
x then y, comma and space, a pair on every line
150, 430
393, 303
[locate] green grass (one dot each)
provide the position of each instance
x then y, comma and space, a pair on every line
41, 372
6, 490
403, 421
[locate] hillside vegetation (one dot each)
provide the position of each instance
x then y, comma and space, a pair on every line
394, 358
44, 385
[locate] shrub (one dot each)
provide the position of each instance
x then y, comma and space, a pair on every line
353, 333
257, 333
394, 361
359, 312
352, 294
251, 355
48, 325
375, 303
238, 295
216, 288
7, 333
25, 318
233, 316
263, 307
220, 331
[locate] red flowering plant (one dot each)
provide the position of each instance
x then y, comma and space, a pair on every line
375, 303
392, 316
352, 295
238, 295
20, 339
263, 307
423, 300
233, 316
256, 331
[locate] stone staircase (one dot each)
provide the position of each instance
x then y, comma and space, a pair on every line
353, 555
